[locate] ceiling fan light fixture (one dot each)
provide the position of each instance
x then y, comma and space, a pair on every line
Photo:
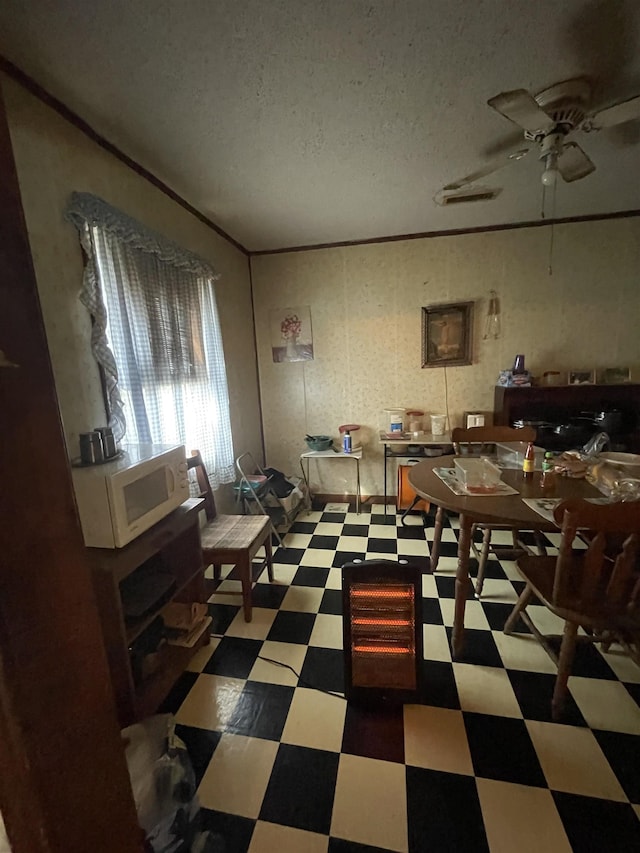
550, 174
550, 149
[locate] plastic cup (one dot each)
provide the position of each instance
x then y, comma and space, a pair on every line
438, 424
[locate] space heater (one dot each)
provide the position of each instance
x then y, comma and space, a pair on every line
382, 631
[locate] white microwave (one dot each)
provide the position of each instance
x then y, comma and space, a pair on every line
119, 500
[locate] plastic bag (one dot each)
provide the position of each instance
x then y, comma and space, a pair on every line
164, 788
4, 841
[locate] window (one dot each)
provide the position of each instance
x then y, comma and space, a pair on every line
157, 336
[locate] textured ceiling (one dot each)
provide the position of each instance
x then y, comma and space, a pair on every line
299, 122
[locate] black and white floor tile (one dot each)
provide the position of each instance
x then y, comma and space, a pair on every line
476, 766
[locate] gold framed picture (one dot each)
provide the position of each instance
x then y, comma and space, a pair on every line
447, 334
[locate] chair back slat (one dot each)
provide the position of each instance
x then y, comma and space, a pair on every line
487, 435
634, 600
564, 562
621, 583
590, 579
195, 462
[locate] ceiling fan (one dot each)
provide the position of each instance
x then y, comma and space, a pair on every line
549, 121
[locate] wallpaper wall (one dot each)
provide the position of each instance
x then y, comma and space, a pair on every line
365, 304
53, 158
366, 316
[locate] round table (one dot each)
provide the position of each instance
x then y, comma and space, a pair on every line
503, 509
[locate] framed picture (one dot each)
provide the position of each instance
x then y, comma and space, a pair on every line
614, 375
446, 334
291, 336
582, 377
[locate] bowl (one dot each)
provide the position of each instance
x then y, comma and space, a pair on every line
319, 442
435, 451
627, 462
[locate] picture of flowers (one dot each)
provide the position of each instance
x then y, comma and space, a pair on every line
291, 338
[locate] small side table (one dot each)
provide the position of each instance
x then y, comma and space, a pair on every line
391, 449
331, 454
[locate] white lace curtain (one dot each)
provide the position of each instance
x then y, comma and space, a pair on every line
156, 335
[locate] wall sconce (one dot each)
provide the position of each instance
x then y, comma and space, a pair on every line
492, 321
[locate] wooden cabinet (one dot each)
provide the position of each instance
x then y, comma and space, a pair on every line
171, 549
558, 403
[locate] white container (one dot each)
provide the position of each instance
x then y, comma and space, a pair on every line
438, 424
479, 475
394, 421
511, 455
414, 425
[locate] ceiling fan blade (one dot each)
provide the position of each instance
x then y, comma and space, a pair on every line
573, 163
502, 147
521, 107
488, 169
617, 114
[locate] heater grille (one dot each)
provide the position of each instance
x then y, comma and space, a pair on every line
381, 628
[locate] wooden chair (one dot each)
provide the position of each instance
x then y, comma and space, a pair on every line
232, 539
597, 588
478, 441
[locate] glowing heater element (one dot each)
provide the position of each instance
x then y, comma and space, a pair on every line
382, 630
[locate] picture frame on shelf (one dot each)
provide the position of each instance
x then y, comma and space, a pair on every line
447, 334
581, 377
614, 375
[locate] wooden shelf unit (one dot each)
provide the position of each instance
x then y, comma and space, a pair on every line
558, 402
176, 540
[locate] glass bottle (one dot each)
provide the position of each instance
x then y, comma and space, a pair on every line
528, 463
548, 471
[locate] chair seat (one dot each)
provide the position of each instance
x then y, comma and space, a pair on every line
233, 532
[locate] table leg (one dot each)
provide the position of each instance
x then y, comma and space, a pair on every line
357, 485
462, 581
305, 477
437, 536
385, 480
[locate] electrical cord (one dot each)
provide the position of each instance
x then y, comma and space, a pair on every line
446, 397
302, 681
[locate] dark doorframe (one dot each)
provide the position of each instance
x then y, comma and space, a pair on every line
64, 786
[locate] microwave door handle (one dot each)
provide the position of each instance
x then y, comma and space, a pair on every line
171, 480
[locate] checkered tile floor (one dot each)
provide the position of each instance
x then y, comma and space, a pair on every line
476, 766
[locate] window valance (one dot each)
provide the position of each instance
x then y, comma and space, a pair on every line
85, 209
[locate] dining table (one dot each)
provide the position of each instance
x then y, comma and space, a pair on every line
508, 509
